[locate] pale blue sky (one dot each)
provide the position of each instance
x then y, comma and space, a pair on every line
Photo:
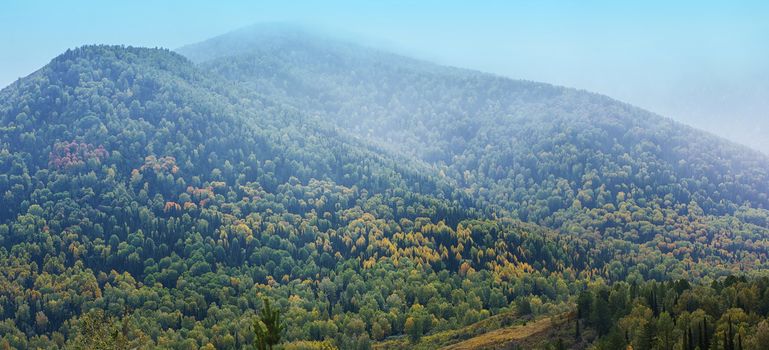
705, 63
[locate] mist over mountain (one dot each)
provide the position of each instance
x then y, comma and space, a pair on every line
274, 187
496, 137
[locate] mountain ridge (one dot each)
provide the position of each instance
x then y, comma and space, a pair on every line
161, 203
267, 36
445, 116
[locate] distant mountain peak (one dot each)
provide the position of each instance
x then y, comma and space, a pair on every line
500, 130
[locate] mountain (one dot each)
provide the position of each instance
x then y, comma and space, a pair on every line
151, 203
154, 199
571, 160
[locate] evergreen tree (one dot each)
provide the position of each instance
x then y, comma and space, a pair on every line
268, 329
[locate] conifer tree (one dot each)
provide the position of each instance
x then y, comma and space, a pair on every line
268, 328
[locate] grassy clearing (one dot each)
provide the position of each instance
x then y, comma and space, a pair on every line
507, 335
495, 332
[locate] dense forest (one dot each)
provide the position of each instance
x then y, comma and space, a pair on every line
730, 314
562, 158
280, 188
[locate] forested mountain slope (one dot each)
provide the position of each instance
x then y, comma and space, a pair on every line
152, 202
571, 160
148, 203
